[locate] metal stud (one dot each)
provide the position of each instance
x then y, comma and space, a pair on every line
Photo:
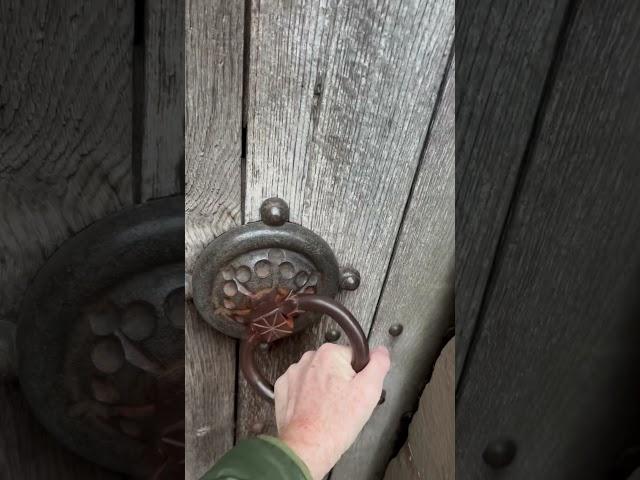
274, 212
500, 453
396, 330
332, 335
349, 278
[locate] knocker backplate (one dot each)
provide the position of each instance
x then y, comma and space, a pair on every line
101, 342
253, 268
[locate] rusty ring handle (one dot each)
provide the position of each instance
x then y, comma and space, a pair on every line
308, 303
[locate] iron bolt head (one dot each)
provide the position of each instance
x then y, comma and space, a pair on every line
349, 279
396, 330
264, 346
274, 212
332, 335
499, 453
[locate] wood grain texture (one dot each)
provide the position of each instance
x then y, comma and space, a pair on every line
430, 449
213, 144
65, 130
214, 42
504, 51
209, 380
65, 162
418, 295
163, 110
555, 363
340, 99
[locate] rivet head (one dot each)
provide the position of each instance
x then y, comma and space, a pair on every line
274, 212
264, 346
500, 453
332, 335
396, 330
257, 428
349, 279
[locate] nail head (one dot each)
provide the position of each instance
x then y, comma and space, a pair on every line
274, 212
332, 335
349, 279
499, 453
396, 330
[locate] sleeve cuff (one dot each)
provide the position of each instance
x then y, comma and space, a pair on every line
290, 453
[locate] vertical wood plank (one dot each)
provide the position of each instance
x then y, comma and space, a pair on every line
430, 448
163, 109
340, 99
65, 162
214, 46
504, 51
418, 295
557, 341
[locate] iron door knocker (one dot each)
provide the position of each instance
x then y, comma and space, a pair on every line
100, 342
268, 280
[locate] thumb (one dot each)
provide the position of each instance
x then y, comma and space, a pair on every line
370, 380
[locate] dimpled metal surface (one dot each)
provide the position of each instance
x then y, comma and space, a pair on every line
101, 342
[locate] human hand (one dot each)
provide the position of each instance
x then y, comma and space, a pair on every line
322, 404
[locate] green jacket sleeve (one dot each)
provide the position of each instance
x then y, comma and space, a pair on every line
263, 458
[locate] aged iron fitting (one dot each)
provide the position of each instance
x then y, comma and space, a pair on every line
100, 342
267, 280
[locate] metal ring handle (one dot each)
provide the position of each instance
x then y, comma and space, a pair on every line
307, 303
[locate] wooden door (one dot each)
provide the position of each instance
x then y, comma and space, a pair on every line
345, 110
91, 108
547, 284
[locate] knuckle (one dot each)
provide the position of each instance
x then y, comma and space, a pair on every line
306, 356
327, 350
278, 385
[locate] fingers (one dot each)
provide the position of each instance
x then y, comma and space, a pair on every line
281, 389
335, 352
371, 379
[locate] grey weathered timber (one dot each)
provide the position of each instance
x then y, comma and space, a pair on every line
418, 295
504, 51
214, 42
340, 99
65, 161
429, 452
63, 116
555, 362
162, 155
209, 380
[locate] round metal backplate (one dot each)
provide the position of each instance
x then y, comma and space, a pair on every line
241, 267
101, 341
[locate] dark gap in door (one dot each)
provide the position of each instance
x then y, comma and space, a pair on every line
243, 177
137, 111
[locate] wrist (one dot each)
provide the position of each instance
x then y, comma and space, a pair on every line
315, 454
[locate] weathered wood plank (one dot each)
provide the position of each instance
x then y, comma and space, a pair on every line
557, 342
65, 161
213, 143
430, 448
418, 295
341, 96
209, 380
504, 50
163, 109
214, 45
